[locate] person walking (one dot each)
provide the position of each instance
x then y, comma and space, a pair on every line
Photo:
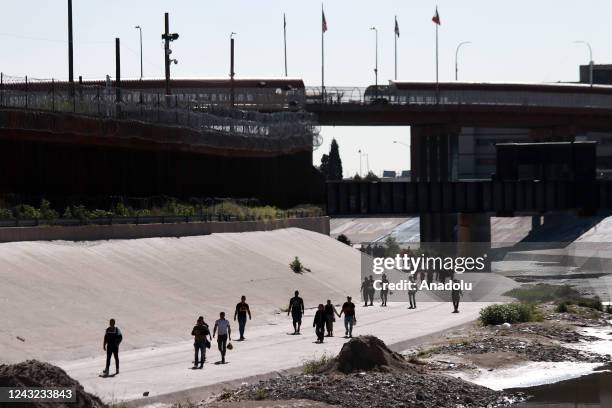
364, 290
222, 326
371, 290
112, 339
319, 323
242, 310
330, 317
412, 290
200, 331
348, 308
296, 308
456, 296
384, 291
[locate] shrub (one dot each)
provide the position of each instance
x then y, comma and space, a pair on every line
261, 393
25, 211
344, 239
507, 313
313, 366
562, 307
6, 214
592, 303
296, 265
46, 212
609, 309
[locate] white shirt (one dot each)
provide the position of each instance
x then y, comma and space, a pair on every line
222, 326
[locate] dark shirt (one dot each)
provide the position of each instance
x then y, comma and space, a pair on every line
112, 337
296, 304
329, 310
319, 319
200, 332
242, 309
383, 287
348, 308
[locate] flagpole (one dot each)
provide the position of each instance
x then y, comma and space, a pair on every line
395, 38
322, 56
437, 82
285, 40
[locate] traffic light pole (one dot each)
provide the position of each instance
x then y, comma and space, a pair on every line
166, 38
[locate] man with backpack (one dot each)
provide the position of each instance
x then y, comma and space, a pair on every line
200, 332
112, 339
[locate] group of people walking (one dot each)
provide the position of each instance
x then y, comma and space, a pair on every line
323, 323
324, 318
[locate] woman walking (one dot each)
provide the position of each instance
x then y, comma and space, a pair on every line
330, 318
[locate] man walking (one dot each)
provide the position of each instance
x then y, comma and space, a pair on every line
371, 290
242, 309
112, 339
222, 325
412, 290
296, 308
364, 290
384, 291
319, 323
456, 296
348, 308
200, 332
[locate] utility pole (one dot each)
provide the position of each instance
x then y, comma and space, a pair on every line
140, 32
232, 73
376, 65
70, 49
168, 37
118, 70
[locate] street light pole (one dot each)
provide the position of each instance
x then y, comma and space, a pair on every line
590, 60
456, 58
140, 31
402, 143
376, 66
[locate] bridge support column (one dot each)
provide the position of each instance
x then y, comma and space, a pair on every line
474, 236
433, 154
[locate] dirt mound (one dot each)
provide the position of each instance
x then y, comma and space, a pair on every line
367, 353
33, 373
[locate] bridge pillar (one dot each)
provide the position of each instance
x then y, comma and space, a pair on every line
433, 156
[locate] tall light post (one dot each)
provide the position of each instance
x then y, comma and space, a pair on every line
140, 32
457, 59
232, 72
376, 64
590, 60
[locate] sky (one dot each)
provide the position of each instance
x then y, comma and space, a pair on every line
512, 41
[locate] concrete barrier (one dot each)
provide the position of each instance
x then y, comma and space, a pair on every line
133, 231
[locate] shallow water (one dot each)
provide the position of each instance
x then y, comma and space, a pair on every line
592, 390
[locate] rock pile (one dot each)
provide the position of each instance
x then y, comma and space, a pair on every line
34, 373
366, 353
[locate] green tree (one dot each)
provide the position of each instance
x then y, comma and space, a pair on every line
324, 167
335, 163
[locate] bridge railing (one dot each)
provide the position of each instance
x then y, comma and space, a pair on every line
415, 96
109, 102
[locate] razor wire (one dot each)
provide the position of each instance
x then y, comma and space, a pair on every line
299, 127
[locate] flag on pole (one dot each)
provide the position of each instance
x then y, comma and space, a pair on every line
396, 28
323, 22
436, 17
